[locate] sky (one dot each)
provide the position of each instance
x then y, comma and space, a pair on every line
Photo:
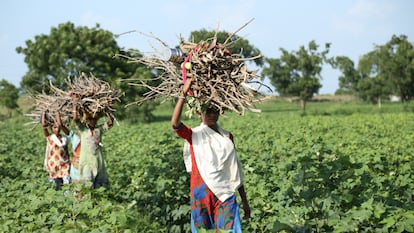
353, 27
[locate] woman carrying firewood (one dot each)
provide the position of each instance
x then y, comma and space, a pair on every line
215, 171
56, 160
91, 159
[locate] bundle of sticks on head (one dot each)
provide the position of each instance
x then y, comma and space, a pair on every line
220, 79
91, 96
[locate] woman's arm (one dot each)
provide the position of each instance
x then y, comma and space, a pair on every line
245, 203
75, 110
59, 123
44, 126
175, 119
110, 122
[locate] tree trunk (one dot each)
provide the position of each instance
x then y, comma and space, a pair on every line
303, 105
379, 102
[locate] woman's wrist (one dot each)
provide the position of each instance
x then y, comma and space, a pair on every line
182, 95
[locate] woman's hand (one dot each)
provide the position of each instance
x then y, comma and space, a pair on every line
110, 121
246, 209
245, 203
45, 166
187, 86
74, 96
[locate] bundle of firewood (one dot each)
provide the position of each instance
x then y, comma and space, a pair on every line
93, 95
221, 79
51, 105
90, 94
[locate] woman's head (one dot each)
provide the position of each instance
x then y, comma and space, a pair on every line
55, 128
209, 116
91, 119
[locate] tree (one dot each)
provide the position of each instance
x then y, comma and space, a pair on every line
373, 90
387, 70
396, 63
348, 81
68, 50
297, 73
373, 85
8, 96
237, 46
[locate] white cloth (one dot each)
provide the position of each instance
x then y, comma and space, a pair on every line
56, 140
187, 156
216, 160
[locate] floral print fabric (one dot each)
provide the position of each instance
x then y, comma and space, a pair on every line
57, 159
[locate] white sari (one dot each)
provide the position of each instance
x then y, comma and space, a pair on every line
216, 160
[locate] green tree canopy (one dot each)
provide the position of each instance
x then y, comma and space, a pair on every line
68, 50
396, 63
373, 85
348, 81
9, 95
238, 45
387, 70
297, 73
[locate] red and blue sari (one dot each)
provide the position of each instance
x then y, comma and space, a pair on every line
207, 211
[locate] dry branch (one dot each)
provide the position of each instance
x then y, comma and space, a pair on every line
94, 96
221, 79
52, 105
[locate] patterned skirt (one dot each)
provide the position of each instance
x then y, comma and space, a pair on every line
208, 212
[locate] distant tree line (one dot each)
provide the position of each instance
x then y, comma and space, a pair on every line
68, 50
387, 70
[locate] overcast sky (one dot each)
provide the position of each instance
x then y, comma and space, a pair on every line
353, 27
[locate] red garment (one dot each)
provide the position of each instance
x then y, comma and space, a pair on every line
207, 211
